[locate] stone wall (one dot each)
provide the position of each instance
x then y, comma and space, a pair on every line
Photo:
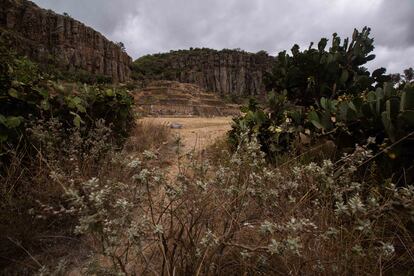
60, 40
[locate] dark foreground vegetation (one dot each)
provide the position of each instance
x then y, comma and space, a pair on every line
46, 124
315, 181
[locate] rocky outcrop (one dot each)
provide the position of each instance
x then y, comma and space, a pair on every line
60, 40
225, 72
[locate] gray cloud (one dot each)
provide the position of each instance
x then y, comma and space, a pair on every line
105, 16
148, 26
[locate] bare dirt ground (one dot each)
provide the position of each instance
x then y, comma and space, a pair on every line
197, 133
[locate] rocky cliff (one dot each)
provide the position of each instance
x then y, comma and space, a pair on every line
60, 40
226, 72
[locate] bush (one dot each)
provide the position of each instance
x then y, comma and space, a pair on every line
26, 96
298, 119
48, 128
34, 208
241, 216
29, 186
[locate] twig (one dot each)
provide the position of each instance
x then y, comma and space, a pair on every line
387, 148
25, 250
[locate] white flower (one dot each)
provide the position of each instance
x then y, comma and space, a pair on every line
209, 239
293, 245
340, 208
274, 247
387, 249
267, 227
149, 155
364, 225
142, 176
159, 229
134, 163
355, 204
357, 249
371, 140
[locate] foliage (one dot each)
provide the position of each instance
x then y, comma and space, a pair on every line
34, 210
347, 113
26, 95
384, 116
26, 186
243, 217
316, 73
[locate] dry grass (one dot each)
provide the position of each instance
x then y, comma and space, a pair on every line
197, 133
238, 216
34, 229
148, 135
224, 213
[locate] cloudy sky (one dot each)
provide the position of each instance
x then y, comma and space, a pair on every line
153, 26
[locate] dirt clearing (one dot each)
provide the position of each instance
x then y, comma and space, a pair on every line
196, 133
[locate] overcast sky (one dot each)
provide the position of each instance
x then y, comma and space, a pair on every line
153, 26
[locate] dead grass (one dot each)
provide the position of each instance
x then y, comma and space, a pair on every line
33, 230
197, 133
148, 135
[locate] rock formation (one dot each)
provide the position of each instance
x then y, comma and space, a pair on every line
225, 72
60, 40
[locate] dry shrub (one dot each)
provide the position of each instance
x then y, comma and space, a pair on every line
241, 216
30, 226
229, 214
37, 221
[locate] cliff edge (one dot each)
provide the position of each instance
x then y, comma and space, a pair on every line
68, 44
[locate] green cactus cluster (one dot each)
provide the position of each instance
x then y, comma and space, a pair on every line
320, 72
321, 95
385, 109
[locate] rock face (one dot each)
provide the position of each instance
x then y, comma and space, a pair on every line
60, 40
231, 72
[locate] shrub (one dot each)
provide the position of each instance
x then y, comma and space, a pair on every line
48, 128
26, 95
244, 217
34, 208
